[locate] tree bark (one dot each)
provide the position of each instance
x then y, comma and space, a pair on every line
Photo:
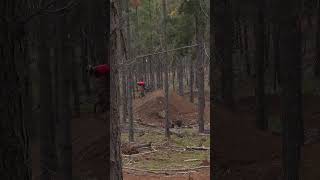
191, 85
75, 81
261, 119
115, 54
15, 154
85, 63
317, 62
224, 39
64, 57
181, 75
48, 156
166, 78
200, 27
291, 94
246, 48
276, 44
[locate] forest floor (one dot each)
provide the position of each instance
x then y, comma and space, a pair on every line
165, 160
246, 153
173, 159
241, 151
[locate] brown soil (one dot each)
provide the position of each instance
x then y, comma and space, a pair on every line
89, 147
243, 152
150, 108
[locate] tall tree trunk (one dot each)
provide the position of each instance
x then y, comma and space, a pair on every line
85, 63
124, 95
227, 66
267, 44
14, 150
246, 48
48, 156
130, 79
181, 75
115, 54
159, 79
261, 119
191, 73
28, 110
276, 39
166, 78
75, 81
290, 56
64, 116
241, 39
173, 73
130, 108
317, 62
200, 27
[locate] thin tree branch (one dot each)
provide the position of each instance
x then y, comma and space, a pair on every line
134, 60
38, 12
205, 13
69, 6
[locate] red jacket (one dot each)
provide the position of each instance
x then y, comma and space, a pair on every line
101, 70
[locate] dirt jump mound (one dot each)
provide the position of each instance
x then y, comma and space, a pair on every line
150, 110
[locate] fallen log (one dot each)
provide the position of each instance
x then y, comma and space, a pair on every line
129, 149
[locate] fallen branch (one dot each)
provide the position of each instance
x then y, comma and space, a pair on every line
191, 160
166, 170
139, 154
198, 148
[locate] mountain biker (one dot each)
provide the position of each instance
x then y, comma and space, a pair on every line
101, 73
142, 86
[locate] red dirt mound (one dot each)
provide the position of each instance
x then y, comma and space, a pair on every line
150, 109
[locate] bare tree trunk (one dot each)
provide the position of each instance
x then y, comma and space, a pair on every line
124, 95
200, 27
261, 119
276, 38
225, 38
317, 62
64, 116
159, 79
75, 81
115, 54
291, 95
14, 150
130, 108
180, 76
130, 79
85, 62
246, 48
166, 79
48, 156
191, 85
173, 73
